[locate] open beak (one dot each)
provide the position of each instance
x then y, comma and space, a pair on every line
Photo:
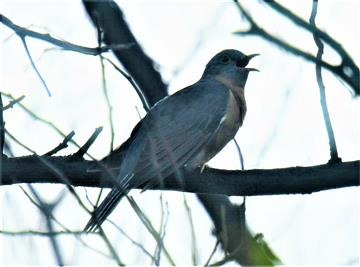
251, 69
252, 56
249, 58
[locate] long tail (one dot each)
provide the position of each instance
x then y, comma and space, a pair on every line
103, 211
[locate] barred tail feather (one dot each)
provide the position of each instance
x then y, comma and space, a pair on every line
103, 211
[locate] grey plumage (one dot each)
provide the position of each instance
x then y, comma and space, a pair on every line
187, 128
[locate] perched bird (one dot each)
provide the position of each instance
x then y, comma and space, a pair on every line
184, 130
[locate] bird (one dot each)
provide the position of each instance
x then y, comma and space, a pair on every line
182, 131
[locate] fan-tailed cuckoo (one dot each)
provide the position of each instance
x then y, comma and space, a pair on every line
184, 130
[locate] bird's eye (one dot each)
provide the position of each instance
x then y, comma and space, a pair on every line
225, 59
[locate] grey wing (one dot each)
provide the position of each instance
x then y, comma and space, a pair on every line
172, 133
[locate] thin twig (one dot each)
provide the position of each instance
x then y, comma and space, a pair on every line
23, 32
241, 158
194, 252
131, 81
63, 178
41, 233
147, 223
48, 123
34, 66
82, 151
162, 230
212, 252
47, 212
334, 158
312, 28
36, 117
19, 143
2, 137
65, 228
62, 145
2, 132
105, 89
157, 252
13, 102
110, 247
339, 70
108, 103
137, 244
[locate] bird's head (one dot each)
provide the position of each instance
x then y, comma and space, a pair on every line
230, 65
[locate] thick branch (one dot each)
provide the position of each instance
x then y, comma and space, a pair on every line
109, 18
292, 180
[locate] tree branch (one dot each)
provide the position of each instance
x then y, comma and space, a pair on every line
23, 32
347, 63
293, 180
2, 131
109, 18
347, 70
329, 129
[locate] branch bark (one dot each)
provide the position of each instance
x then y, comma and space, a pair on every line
294, 180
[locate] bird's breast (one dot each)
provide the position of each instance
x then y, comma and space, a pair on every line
228, 127
230, 123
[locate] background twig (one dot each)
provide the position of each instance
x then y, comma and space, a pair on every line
329, 129
341, 70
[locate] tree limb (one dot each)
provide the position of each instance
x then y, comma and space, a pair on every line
293, 180
23, 32
109, 18
347, 70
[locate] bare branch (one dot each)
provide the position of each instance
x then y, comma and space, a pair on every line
62, 145
34, 66
23, 32
82, 151
47, 212
147, 223
19, 142
329, 129
46, 234
347, 61
131, 81
2, 131
347, 70
135, 243
108, 103
212, 252
293, 180
108, 16
194, 252
38, 118
13, 102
